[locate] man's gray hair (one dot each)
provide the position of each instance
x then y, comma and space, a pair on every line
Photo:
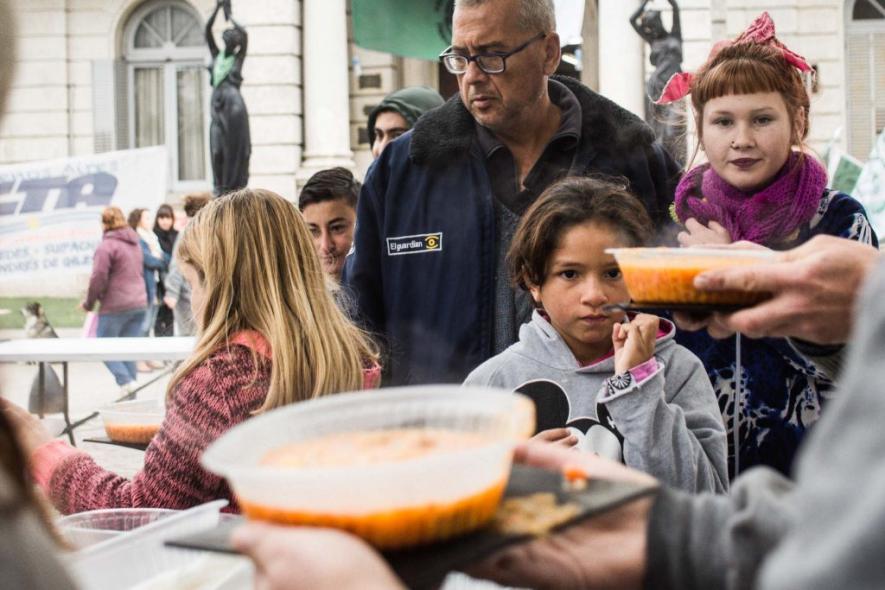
534, 15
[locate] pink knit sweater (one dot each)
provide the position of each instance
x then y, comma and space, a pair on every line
220, 393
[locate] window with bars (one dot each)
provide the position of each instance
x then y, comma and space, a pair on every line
865, 76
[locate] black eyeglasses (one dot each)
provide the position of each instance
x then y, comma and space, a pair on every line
491, 63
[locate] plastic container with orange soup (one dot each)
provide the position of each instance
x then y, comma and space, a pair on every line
399, 466
134, 422
666, 275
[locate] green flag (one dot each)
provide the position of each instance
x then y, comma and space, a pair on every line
409, 28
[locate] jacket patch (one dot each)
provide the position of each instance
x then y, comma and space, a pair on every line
417, 244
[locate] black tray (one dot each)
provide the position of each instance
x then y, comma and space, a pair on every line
427, 566
695, 308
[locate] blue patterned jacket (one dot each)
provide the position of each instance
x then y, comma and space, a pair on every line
781, 393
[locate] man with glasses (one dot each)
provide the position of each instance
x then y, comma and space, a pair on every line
441, 204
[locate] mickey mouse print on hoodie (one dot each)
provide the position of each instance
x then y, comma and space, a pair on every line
663, 420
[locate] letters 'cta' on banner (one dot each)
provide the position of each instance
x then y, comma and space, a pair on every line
50, 215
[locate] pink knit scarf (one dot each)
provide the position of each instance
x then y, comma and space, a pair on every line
771, 214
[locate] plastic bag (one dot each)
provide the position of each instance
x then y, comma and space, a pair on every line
90, 325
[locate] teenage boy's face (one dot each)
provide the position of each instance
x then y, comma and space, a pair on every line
582, 279
331, 224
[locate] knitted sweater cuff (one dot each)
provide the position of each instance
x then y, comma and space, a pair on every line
46, 458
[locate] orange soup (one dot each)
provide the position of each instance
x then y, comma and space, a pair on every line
394, 528
131, 433
669, 280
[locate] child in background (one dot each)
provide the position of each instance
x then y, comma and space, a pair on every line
760, 185
622, 385
269, 334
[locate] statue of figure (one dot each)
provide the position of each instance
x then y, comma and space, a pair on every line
666, 56
229, 139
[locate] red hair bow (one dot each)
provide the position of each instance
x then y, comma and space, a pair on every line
761, 31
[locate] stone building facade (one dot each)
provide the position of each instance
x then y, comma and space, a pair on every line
99, 75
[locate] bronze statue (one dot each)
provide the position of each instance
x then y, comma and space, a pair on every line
666, 56
229, 139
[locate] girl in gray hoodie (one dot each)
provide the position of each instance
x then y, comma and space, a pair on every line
604, 381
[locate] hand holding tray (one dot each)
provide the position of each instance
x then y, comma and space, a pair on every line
427, 566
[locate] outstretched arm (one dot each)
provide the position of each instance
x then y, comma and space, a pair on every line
634, 19
210, 38
676, 30
241, 54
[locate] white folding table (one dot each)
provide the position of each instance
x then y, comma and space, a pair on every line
86, 350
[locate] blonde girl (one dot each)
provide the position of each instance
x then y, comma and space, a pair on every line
269, 334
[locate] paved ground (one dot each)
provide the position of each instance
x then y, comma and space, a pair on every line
91, 387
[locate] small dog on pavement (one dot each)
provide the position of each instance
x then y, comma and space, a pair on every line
38, 326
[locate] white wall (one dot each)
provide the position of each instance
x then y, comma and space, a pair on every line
50, 107
49, 114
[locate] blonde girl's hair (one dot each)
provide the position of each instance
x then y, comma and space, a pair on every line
255, 258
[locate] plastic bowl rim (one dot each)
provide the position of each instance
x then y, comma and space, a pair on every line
227, 469
766, 255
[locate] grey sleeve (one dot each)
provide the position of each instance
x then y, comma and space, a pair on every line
173, 281
672, 427
706, 542
828, 531
840, 540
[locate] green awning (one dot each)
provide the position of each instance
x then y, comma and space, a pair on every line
409, 28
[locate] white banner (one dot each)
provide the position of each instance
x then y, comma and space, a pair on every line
50, 215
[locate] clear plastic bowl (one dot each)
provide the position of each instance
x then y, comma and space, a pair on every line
139, 558
391, 504
666, 275
87, 528
133, 422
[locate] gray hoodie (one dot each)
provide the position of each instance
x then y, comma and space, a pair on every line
826, 531
667, 423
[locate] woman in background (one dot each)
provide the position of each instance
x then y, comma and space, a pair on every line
117, 284
164, 229
154, 261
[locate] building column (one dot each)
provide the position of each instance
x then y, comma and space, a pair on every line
621, 56
326, 87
